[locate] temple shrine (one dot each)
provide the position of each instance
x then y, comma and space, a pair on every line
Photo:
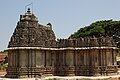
33, 51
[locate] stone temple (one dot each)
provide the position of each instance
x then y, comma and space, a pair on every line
33, 51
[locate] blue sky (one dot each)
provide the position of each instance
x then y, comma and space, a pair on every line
66, 16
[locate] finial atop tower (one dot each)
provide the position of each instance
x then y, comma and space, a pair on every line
28, 10
28, 16
30, 5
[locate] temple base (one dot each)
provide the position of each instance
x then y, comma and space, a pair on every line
67, 71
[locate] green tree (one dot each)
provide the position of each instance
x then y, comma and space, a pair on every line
97, 29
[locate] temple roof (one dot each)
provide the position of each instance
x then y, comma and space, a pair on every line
29, 33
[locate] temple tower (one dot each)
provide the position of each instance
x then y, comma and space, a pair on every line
29, 33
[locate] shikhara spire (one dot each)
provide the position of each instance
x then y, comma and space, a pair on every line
29, 33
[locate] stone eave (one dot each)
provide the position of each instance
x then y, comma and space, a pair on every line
67, 48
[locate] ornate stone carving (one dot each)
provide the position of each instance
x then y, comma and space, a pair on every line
29, 33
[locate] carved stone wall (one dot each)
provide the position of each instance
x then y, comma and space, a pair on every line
87, 42
37, 62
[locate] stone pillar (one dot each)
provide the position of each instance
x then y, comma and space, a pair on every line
100, 57
78, 58
16, 58
61, 58
13, 59
44, 58
10, 58
114, 52
23, 59
74, 58
104, 56
108, 57
65, 62
53, 58
90, 57
93, 56
96, 55
69, 58
33, 58
39, 59
48, 58
81, 63
87, 57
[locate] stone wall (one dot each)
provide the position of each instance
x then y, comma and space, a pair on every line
87, 42
36, 61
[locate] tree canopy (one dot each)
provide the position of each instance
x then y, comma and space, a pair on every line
98, 28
